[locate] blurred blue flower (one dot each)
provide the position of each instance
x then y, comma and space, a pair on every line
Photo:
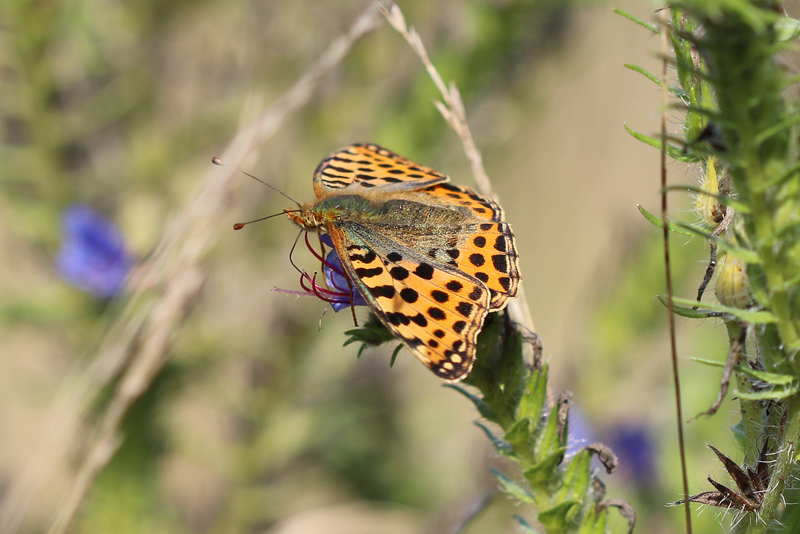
93, 256
634, 446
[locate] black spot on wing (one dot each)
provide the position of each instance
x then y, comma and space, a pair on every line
454, 285
424, 271
465, 308
477, 260
398, 273
409, 295
436, 313
439, 296
383, 291
500, 262
363, 272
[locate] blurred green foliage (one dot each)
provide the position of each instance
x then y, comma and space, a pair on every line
259, 417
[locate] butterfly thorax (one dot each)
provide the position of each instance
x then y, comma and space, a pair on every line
318, 216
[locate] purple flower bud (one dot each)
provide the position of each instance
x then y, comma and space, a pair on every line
93, 256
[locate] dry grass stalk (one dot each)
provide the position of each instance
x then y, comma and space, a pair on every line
452, 109
166, 289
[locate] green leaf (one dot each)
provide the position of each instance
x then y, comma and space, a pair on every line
539, 475
658, 222
534, 396
549, 439
579, 473
484, 409
788, 29
394, 354
672, 151
776, 128
594, 521
555, 519
519, 434
524, 526
500, 445
652, 77
748, 316
511, 487
652, 27
744, 254
685, 311
775, 393
722, 199
774, 379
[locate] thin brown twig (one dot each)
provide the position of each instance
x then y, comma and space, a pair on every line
162, 296
452, 109
667, 263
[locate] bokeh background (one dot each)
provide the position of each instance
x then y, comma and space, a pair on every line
261, 421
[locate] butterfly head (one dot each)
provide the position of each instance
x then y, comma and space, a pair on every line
306, 218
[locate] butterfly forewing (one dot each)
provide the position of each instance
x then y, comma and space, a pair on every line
367, 167
433, 308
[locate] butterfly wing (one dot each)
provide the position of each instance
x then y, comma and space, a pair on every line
484, 247
435, 309
368, 167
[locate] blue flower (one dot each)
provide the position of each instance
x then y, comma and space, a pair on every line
336, 280
634, 446
93, 256
338, 292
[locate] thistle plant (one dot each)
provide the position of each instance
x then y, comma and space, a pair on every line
738, 94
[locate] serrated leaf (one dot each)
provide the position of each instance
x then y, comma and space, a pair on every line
674, 152
636, 68
659, 223
748, 316
512, 488
500, 445
484, 409
652, 27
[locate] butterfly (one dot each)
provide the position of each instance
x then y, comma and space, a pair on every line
430, 259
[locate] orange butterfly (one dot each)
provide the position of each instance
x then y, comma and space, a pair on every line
430, 259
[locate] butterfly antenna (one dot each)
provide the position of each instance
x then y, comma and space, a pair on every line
239, 226
216, 161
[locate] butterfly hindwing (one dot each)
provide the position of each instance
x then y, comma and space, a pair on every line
485, 249
435, 309
363, 167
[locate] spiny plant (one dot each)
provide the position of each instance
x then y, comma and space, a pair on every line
737, 90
